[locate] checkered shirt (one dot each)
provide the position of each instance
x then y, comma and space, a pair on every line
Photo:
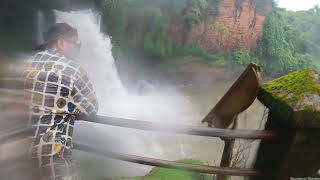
58, 88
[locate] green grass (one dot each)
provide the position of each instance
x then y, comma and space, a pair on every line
174, 174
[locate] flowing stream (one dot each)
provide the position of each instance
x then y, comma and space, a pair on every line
184, 105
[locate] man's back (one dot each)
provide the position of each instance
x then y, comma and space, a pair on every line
57, 89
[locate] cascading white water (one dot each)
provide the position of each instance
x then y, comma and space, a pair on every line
168, 105
96, 57
165, 105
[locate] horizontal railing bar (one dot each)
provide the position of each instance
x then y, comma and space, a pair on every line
11, 83
21, 132
166, 163
180, 129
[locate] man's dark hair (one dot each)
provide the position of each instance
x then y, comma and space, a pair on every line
58, 30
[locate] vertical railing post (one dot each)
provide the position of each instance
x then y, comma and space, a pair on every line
226, 158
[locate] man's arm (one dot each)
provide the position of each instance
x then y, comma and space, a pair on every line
83, 96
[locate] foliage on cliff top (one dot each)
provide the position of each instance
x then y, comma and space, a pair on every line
282, 48
290, 40
174, 174
198, 10
262, 5
140, 26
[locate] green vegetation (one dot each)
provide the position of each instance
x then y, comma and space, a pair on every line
294, 86
287, 94
139, 28
290, 42
174, 174
221, 27
293, 101
157, 40
244, 58
282, 47
198, 52
95, 167
198, 10
261, 5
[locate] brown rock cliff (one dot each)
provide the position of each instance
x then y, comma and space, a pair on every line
238, 25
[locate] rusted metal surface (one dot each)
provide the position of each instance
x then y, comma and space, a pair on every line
166, 163
237, 99
179, 129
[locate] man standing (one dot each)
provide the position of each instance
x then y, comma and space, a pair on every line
58, 89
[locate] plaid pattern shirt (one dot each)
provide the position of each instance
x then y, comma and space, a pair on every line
58, 88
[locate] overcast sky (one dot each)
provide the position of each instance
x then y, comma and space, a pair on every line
297, 5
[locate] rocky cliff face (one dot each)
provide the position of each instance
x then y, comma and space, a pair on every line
238, 26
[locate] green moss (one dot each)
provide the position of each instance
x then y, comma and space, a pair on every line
284, 96
293, 87
174, 174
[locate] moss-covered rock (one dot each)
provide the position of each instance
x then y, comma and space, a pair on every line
174, 174
294, 97
294, 116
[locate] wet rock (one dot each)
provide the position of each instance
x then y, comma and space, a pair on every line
294, 116
294, 97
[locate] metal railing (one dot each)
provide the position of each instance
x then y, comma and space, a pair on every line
165, 163
167, 128
175, 129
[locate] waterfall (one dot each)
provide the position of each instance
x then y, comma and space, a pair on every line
95, 55
165, 105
